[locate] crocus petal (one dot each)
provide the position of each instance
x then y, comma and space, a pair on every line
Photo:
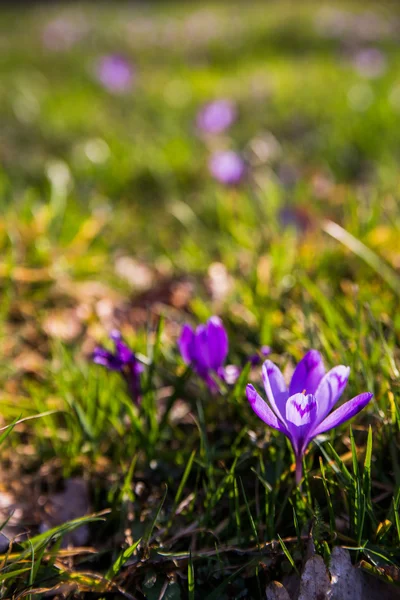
124, 353
217, 341
186, 343
262, 409
103, 357
330, 389
343, 413
201, 348
301, 413
229, 374
137, 367
275, 388
307, 374
300, 409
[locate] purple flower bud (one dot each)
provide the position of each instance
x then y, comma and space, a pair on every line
227, 167
304, 410
216, 116
122, 360
206, 349
115, 73
255, 359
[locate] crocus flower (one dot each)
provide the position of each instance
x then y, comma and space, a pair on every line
122, 360
302, 412
115, 73
206, 349
216, 116
370, 62
227, 167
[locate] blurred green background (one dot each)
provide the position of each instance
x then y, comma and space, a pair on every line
108, 206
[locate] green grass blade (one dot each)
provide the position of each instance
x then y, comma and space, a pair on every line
121, 560
287, 554
191, 580
381, 268
149, 533
252, 523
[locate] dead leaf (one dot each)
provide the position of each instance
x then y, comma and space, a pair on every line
137, 274
315, 582
12, 512
219, 281
63, 324
29, 361
72, 503
351, 583
276, 591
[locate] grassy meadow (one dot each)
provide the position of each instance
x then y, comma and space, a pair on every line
110, 218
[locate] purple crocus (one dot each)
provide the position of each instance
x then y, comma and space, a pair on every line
206, 349
370, 62
227, 167
216, 117
115, 73
122, 360
302, 412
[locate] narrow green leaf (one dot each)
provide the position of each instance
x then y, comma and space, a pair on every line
191, 581
287, 554
184, 479
328, 496
367, 469
354, 453
149, 533
252, 524
381, 268
121, 560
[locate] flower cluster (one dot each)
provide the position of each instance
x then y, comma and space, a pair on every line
300, 412
226, 166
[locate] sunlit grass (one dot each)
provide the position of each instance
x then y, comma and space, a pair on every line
200, 496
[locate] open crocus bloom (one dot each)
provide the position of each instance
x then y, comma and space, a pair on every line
302, 411
206, 349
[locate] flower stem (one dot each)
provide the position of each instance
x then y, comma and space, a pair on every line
299, 469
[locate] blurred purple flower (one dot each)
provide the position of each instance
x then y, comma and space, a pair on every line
115, 73
370, 62
297, 217
122, 360
205, 350
216, 116
227, 167
302, 412
255, 359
